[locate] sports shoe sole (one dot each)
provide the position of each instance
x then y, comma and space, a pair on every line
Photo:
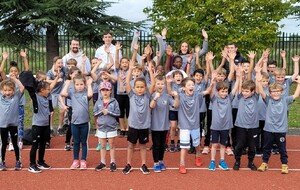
225, 169
127, 171
145, 173
33, 171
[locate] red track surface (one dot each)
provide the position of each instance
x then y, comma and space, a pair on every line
197, 178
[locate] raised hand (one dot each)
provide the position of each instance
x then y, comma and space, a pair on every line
5, 55
157, 95
283, 53
204, 34
22, 53
296, 58
251, 54
135, 46
164, 33
118, 46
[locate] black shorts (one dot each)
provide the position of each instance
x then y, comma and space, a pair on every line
219, 136
138, 134
123, 101
173, 115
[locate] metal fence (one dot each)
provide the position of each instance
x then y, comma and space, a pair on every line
37, 51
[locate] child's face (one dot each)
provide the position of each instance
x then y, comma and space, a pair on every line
14, 71
223, 93
160, 70
264, 82
8, 91
45, 91
74, 74
136, 73
271, 68
177, 63
276, 93
105, 93
124, 64
178, 78
160, 85
104, 77
220, 77
41, 78
189, 88
58, 64
247, 93
198, 78
140, 88
279, 78
70, 66
184, 48
79, 85
246, 67
93, 63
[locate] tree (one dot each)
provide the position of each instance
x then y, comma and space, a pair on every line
250, 23
24, 21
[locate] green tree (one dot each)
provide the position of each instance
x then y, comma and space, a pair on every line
250, 23
24, 21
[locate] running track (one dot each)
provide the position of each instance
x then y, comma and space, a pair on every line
60, 177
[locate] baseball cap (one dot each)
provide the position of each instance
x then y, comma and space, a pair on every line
105, 85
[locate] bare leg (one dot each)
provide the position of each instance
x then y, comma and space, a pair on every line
143, 152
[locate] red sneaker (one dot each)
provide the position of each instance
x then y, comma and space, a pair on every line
182, 169
198, 161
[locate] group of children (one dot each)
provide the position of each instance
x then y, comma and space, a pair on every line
241, 106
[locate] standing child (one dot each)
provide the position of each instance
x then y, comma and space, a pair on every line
79, 96
139, 120
107, 110
9, 105
159, 120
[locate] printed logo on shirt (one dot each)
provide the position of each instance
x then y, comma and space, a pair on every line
282, 139
164, 102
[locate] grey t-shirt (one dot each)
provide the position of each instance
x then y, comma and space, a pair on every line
199, 88
160, 114
41, 118
121, 83
9, 109
140, 113
276, 116
188, 110
221, 112
59, 85
262, 107
177, 88
80, 106
247, 115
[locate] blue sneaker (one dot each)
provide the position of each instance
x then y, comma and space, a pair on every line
162, 166
156, 168
2, 166
98, 148
223, 165
212, 166
107, 146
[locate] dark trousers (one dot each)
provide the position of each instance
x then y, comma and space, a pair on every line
159, 141
208, 125
69, 131
259, 142
13, 130
40, 135
233, 130
245, 137
280, 139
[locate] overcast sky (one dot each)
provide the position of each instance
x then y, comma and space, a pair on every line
132, 10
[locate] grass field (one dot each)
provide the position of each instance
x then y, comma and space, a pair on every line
294, 114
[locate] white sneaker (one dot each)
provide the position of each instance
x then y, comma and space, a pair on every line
205, 150
229, 151
20, 145
10, 147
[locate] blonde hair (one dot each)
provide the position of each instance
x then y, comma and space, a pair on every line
265, 75
279, 71
221, 71
275, 86
9, 83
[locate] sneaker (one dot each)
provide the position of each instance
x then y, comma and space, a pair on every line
125, 133
60, 131
229, 151
263, 167
113, 167
162, 166
284, 169
75, 165
107, 146
20, 145
192, 150
259, 152
177, 149
182, 169
10, 147
47, 146
212, 166
100, 167
236, 166
127, 168
252, 166
144, 169
83, 165
275, 151
34, 169
18, 166
43, 166
198, 161
67, 147
2, 166
52, 133
157, 168
98, 148
205, 150
223, 165
122, 133
166, 148
172, 147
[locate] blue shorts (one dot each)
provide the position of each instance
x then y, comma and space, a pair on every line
219, 136
173, 115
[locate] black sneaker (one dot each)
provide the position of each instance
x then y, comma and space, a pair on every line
252, 166
192, 150
2, 166
125, 133
113, 167
52, 133
60, 131
47, 146
166, 148
34, 169
18, 166
43, 166
236, 166
67, 147
122, 133
127, 169
100, 167
144, 169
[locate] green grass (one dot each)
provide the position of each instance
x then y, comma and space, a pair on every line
294, 114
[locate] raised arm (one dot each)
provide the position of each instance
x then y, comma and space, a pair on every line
56, 79
152, 80
297, 91
238, 80
14, 78
169, 83
197, 50
232, 66
258, 80
296, 66
251, 55
93, 72
25, 60
64, 92
135, 50
117, 59
4, 59
283, 56
89, 87
128, 76
205, 44
169, 54
153, 101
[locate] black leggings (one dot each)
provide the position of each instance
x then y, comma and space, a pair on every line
69, 131
159, 141
13, 130
39, 138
